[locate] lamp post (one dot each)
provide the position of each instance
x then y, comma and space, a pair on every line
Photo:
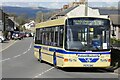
86, 7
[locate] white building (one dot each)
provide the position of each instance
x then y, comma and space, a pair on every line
29, 25
76, 11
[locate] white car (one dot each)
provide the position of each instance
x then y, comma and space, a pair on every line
1, 39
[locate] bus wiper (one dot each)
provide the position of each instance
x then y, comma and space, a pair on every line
97, 48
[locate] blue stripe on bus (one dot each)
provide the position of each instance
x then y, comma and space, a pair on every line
52, 49
37, 47
72, 52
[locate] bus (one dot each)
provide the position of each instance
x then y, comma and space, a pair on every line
74, 42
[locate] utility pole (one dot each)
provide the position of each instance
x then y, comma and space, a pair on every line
42, 18
86, 7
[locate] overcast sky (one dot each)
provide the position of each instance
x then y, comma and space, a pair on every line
57, 0
55, 3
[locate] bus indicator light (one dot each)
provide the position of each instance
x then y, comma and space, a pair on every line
109, 60
65, 60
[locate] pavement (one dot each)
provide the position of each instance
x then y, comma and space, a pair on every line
18, 61
117, 71
6, 44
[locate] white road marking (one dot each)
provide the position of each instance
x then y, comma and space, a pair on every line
8, 46
24, 52
30, 45
16, 56
43, 72
5, 59
19, 54
28, 49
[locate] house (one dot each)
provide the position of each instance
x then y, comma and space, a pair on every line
29, 25
115, 18
7, 25
3, 22
15, 26
78, 10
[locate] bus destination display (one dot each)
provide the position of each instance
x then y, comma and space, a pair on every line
88, 22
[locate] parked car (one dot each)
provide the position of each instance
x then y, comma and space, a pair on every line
22, 35
27, 35
2, 39
17, 35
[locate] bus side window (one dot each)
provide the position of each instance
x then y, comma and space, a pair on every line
56, 43
52, 37
61, 36
37, 37
40, 36
43, 36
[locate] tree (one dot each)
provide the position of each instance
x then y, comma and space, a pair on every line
22, 19
12, 14
48, 15
39, 17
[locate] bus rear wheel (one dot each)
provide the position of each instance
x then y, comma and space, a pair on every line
54, 61
40, 58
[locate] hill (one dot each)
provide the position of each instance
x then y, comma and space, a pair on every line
29, 11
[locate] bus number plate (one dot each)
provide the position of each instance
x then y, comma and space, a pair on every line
88, 65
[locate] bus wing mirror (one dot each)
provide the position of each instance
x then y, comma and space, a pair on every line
34, 38
113, 33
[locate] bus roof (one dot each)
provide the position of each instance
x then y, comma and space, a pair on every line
55, 22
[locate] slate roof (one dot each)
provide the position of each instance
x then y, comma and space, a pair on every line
113, 13
62, 13
108, 11
115, 19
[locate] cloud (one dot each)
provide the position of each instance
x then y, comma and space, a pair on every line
54, 3
35, 4
36, 0
18, 4
57, 0
50, 4
103, 0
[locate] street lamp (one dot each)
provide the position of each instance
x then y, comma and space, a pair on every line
86, 7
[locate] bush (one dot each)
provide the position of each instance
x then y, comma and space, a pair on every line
5, 33
115, 42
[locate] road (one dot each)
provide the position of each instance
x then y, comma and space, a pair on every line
18, 62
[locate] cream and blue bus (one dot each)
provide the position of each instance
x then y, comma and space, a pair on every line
74, 42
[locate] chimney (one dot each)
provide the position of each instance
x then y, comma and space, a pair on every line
82, 1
